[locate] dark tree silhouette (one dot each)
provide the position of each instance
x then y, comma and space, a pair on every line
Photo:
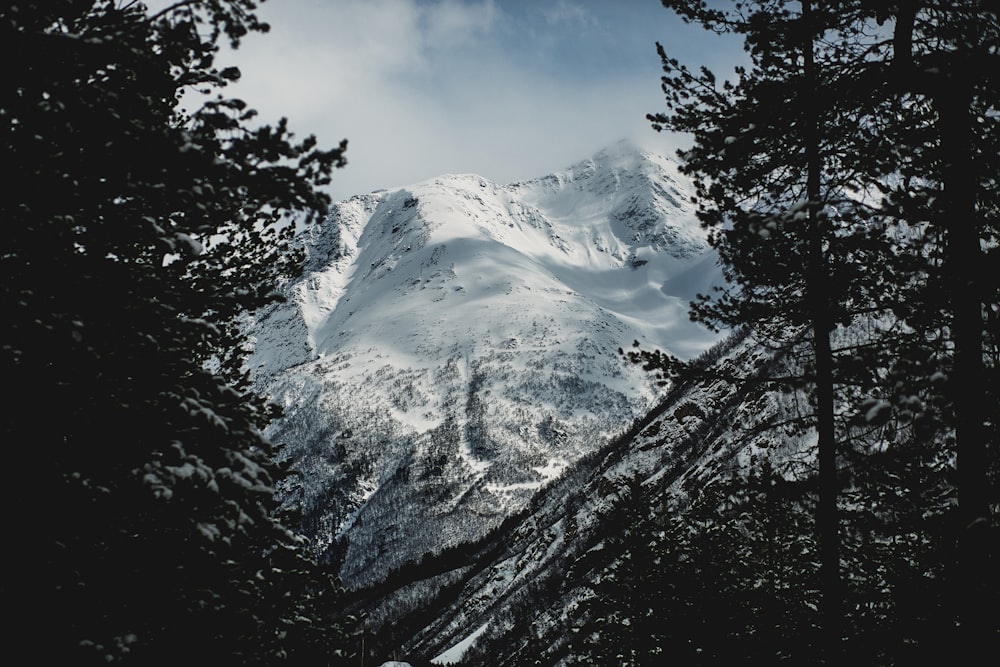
140, 492
848, 177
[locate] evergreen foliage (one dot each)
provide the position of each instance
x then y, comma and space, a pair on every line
732, 577
848, 180
143, 522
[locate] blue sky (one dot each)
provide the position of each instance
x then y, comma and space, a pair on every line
508, 89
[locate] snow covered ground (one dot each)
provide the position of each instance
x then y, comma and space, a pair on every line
455, 653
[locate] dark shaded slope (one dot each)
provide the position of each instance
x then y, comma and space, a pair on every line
523, 579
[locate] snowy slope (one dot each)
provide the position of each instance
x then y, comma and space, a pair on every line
516, 593
452, 346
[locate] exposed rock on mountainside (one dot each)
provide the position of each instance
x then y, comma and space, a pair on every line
537, 570
452, 346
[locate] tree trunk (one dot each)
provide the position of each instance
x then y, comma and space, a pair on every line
818, 289
953, 94
967, 385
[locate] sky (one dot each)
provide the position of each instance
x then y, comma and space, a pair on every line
506, 89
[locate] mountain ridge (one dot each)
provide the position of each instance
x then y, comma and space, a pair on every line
536, 571
452, 345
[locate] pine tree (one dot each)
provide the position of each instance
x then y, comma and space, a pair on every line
775, 161
143, 523
944, 58
891, 157
709, 582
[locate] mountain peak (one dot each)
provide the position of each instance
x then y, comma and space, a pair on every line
642, 194
458, 339
626, 153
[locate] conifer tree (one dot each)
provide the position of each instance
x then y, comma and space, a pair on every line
143, 523
773, 158
944, 61
896, 226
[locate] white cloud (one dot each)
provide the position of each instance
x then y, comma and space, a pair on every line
424, 87
569, 13
451, 24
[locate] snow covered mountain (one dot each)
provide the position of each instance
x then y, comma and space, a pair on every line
452, 346
519, 594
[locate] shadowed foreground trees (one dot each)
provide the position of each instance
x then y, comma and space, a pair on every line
142, 522
848, 177
731, 578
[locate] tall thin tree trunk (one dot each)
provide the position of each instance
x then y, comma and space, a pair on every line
963, 257
818, 288
953, 94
